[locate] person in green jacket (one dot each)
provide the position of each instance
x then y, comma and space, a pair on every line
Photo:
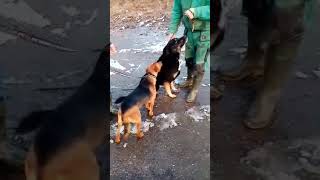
195, 16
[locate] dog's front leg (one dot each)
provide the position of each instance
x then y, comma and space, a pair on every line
168, 90
151, 102
117, 140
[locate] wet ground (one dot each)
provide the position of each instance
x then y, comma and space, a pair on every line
290, 148
176, 144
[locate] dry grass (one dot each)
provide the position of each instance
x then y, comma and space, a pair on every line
130, 13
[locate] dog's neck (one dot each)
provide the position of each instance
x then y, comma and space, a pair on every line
151, 75
165, 56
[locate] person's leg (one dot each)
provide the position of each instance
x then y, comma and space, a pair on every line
202, 40
190, 62
279, 60
253, 63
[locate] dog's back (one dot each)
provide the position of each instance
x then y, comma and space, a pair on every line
137, 97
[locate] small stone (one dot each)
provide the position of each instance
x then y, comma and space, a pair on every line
301, 75
316, 73
125, 145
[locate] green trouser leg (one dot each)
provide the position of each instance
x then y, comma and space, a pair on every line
190, 69
197, 47
279, 60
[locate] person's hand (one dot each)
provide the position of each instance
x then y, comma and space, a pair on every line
189, 14
170, 36
113, 49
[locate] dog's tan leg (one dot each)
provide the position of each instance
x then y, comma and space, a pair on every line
138, 124
117, 140
168, 90
152, 100
127, 131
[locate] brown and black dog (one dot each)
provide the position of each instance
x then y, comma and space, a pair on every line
144, 94
63, 148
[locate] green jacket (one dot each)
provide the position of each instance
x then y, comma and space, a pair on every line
200, 9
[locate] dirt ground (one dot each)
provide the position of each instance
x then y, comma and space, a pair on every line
139, 13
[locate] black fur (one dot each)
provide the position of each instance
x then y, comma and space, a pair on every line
139, 94
170, 61
86, 108
32, 121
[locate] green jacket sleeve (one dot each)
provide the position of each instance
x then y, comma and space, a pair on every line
176, 16
201, 13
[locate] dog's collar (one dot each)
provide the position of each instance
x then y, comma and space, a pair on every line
152, 75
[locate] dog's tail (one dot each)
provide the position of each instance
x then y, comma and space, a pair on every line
120, 99
32, 121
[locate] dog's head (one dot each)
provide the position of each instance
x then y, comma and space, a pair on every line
174, 45
154, 68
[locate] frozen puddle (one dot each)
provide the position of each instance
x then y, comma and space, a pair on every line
199, 113
167, 121
116, 64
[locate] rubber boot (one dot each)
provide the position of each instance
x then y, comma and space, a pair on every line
199, 73
277, 71
252, 64
190, 71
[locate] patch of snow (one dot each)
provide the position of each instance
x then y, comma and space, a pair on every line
166, 121
116, 64
199, 113
125, 145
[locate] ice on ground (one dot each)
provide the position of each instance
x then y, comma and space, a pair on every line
130, 64
166, 121
116, 64
112, 73
199, 113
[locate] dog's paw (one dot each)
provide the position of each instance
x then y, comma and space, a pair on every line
117, 140
140, 136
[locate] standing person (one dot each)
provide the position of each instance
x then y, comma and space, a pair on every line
275, 32
195, 16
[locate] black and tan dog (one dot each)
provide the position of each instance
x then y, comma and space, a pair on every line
63, 148
170, 65
144, 94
